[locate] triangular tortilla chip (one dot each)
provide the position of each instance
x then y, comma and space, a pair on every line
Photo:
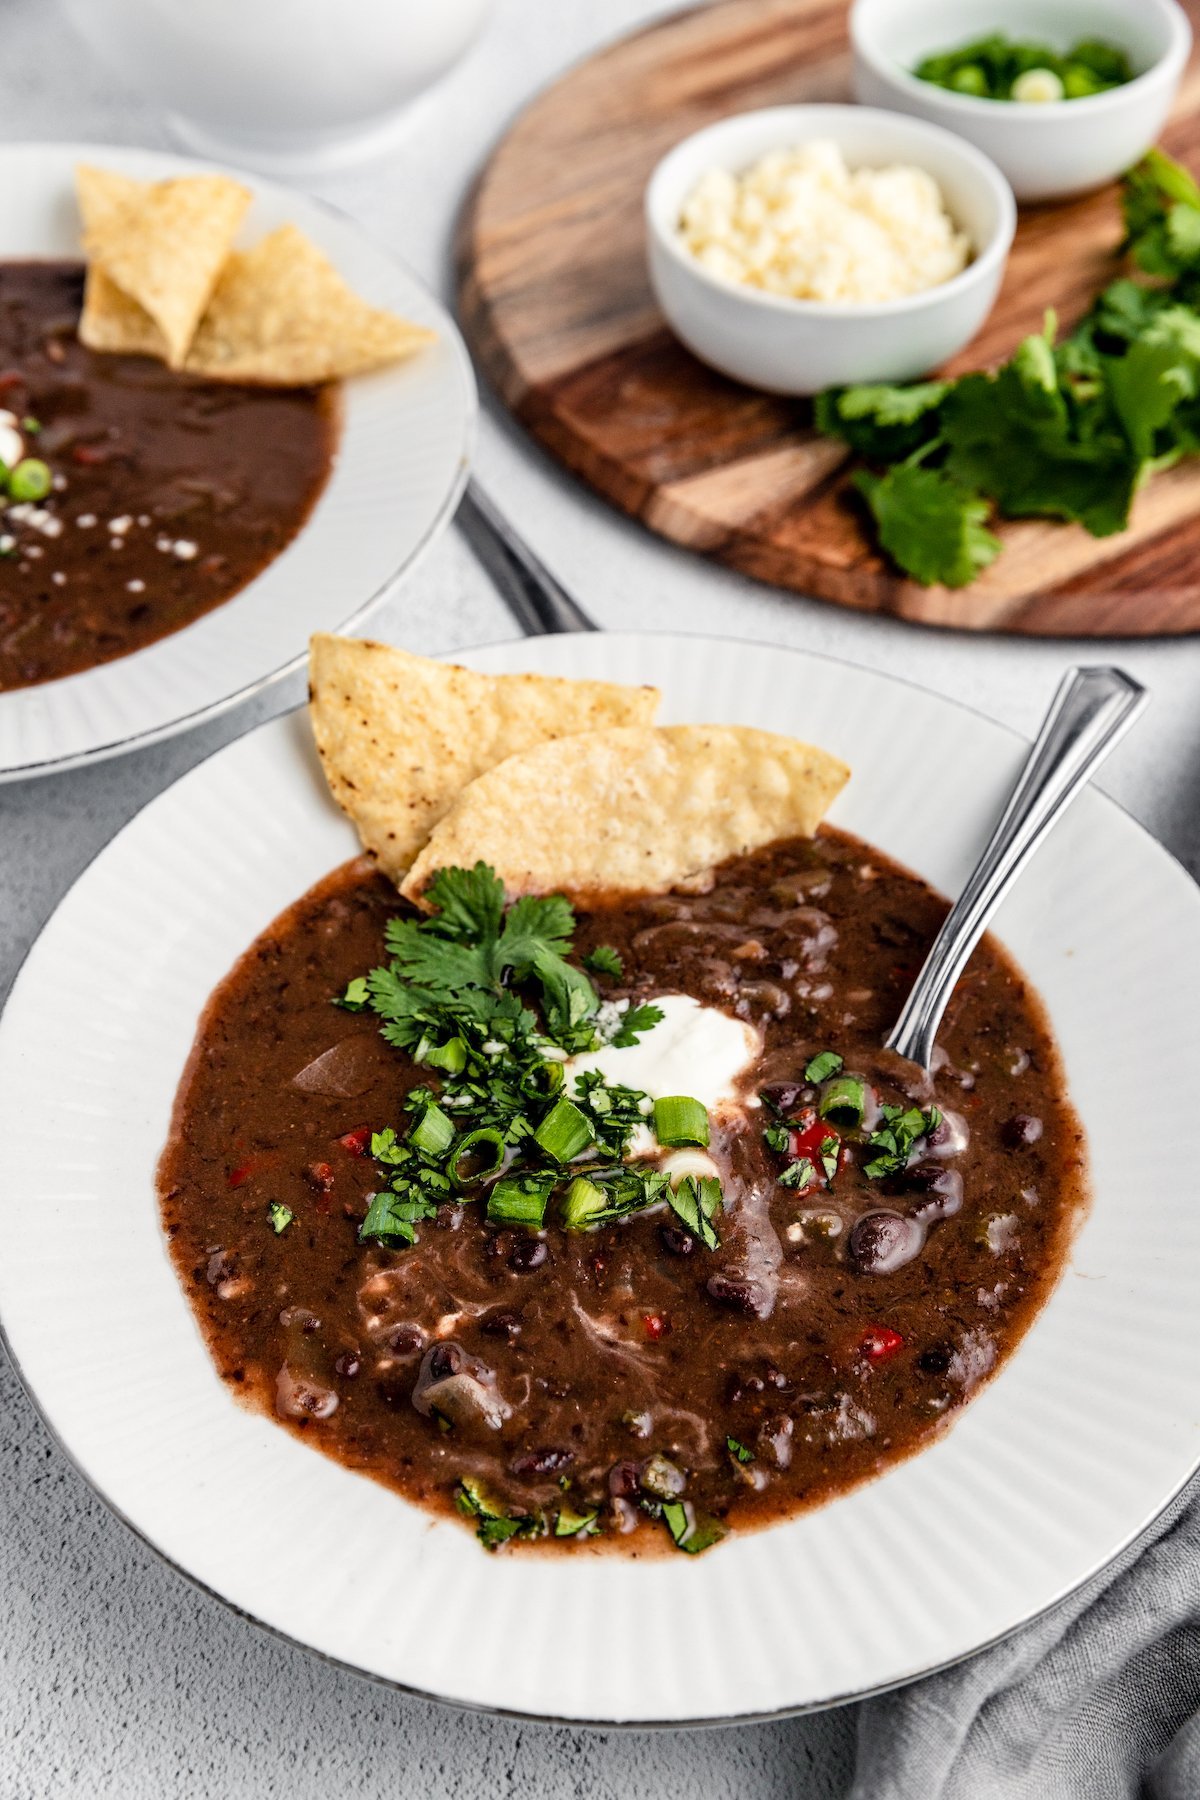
400, 736
282, 315
111, 321
163, 243
639, 810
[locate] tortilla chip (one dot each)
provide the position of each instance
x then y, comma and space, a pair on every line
112, 321
400, 737
639, 810
162, 243
282, 315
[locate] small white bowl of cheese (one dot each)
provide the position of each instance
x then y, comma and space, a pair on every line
805, 247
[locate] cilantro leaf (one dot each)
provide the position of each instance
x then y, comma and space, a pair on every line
604, 960
930, 524
1012, 435
469, 904
738, 1450
883, 423
638, 1019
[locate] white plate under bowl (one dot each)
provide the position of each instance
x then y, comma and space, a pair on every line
1081, 1438
406, 441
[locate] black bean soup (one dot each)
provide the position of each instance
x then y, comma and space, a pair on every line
626, 1372
165, 494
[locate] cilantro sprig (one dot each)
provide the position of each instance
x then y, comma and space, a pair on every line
1067, 428
485, 998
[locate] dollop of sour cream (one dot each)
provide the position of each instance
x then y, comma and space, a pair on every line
694, 1050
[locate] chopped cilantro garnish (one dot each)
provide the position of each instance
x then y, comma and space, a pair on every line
738, 1451
355, 997
604, 960
637, 1020
493, 1526
822, 1066
800, 1174
892, 1142
777, 1138
280, 1216
696, 1201
392, 1217
485, 998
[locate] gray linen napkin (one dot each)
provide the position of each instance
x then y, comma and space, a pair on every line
1097, 1700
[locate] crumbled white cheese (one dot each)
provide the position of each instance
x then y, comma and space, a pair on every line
135, 586
184, 549
801, 223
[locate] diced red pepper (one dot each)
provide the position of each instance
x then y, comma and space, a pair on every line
357, 1142
808, 1139
11, 378
243, 1172
91, 456
879, 1342
320, 1176
657, 1325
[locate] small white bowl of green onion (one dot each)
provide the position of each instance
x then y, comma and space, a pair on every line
1062, 94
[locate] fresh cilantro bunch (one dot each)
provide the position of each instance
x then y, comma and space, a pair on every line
1066, 429
485, 998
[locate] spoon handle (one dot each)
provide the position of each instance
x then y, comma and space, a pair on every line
538, 602
1090, 713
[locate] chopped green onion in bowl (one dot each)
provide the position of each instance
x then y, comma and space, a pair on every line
998, 67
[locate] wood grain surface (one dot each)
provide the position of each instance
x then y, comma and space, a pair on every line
555, 298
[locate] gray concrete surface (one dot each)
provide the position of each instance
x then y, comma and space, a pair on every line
116, 1678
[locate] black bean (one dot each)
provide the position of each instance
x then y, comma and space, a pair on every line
528, 1254
1021, 1131
675, 1241
541, 1462
441, 1362
405, 1340
742, 1293
624, 1480
883, 1241
506, 1325
935, 1361
348, 1364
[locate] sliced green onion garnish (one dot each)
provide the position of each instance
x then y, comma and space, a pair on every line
827, 1063
573, 1524
696, 1203
520, 1200
483, 1151
30, 480
844, 1100
581, 1202
451, 1056
687, 1532
564, 1131
433, 1133
280, 1216
679, 1121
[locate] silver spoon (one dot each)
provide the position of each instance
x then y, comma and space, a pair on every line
538, 602
1090, 714
1088, 717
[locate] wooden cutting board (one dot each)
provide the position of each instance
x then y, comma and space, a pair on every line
555, 298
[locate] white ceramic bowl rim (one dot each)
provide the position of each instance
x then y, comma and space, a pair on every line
1169, 63
980, 265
